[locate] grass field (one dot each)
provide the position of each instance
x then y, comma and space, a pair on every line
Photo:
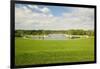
28, 51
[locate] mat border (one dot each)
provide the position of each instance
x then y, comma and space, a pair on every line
12, 36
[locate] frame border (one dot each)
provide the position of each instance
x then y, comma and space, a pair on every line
12, 32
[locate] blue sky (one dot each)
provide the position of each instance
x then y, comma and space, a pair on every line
36, 17
55, 10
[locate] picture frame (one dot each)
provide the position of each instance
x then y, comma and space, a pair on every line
13, 42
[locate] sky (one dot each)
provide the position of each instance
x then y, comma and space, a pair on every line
43, 17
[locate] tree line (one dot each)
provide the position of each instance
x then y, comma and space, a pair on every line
20, 33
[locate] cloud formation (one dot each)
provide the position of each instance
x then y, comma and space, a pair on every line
30, 17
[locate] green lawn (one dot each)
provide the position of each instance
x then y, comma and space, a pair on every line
28, 51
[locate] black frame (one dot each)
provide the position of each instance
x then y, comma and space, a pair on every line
12, 40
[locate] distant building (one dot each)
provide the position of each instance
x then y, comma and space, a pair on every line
55, 37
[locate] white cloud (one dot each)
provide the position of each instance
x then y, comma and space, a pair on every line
45, 10
33, 6
25, 18
82, 18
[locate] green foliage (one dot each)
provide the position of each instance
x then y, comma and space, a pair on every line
20, 33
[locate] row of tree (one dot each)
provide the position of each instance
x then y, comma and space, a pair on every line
20, 33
